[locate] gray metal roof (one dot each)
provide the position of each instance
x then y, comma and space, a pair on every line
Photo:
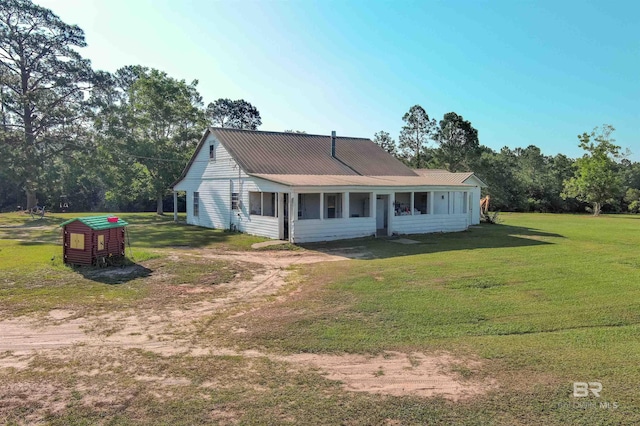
302, 154
357, 180
303, 159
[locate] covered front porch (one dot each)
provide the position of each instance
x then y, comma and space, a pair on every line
308, 216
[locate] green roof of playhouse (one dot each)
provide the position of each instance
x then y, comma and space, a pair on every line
97, 223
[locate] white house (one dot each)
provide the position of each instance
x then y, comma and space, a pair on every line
304, 188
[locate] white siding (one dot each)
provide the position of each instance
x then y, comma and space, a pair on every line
214, 205
475, 205
441, 202
215, 180
264, 226
311, 230
426, 223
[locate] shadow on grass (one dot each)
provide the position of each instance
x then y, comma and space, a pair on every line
113, 274
181, 235
479, 237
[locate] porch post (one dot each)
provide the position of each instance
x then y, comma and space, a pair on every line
175, 206
430, 198
322, 206
280, 214
412, 202
391, 216
293, 215
345, 207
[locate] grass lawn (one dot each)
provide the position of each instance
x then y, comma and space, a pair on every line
542, 301
545, 300
33, 278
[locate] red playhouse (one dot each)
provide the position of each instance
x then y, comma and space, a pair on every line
93, 240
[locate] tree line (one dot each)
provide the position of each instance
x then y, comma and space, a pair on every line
522, 179
76, 138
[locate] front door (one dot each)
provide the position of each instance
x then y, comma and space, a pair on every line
382, 214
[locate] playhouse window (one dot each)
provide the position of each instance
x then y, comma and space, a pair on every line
196, 204
76, 241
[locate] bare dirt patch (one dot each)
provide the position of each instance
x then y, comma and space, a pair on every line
395, 373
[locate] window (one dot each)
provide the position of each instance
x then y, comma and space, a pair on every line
255, 203
308, 206
403, 204
420, 203
263, 203
76, 241
235, 205
269, 204
196, 204
333, 206
359, 204
212, 152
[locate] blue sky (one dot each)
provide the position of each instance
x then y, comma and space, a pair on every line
523, 72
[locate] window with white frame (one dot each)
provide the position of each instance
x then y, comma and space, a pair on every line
359, 204
333, 205
235, 202
263, 204
196, 203
212, 152
308, 206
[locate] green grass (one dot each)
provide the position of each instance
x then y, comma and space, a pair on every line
33, 278
542, 298
146, 230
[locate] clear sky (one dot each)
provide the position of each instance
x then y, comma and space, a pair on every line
523, 72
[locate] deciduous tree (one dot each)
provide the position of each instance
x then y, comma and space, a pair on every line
152, 123
238, 114
596, 180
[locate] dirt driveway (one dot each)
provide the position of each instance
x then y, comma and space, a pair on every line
171, 329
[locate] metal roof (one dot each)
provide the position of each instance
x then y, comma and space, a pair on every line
304, 154
97, 223
300, 159
356, 180
444, 176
